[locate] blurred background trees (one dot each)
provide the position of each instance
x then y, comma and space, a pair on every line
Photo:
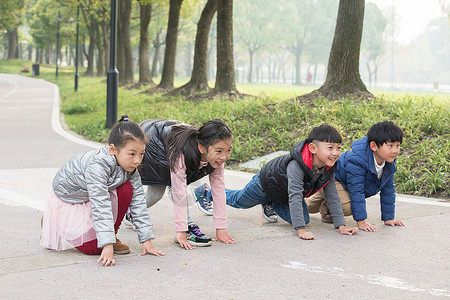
287, 42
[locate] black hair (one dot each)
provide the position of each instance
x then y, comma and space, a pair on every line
384, 132
125, 130
325, 133
185, 139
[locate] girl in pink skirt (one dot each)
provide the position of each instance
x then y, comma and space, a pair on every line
91, 194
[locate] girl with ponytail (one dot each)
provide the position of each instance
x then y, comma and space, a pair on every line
91, 194
178, 154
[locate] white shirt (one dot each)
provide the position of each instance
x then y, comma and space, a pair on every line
379, 168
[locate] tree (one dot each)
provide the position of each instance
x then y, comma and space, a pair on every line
343, 78
168, 72
10, 20
102, 41
41, 18
157, 31
42, 27
225, 81
157, 43
445, 7
144, 43
199, 80
92, 27
96, 18
254, 29
299, 35
124, 51
372, 39
318, 50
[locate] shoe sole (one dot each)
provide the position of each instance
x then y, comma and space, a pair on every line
195, 244
327, 221
121, 252
268, 219
206, 212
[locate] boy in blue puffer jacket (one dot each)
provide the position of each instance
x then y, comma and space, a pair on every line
363, 171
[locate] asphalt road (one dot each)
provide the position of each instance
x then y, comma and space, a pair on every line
267, 261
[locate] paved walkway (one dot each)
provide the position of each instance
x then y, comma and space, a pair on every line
268, 260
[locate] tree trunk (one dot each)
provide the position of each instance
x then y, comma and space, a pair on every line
315, 73
376, 75
250, 71
18, 48
225, 81
124, 52
168, 72
210, 70
188, 60
157, 45
343, 79
90, 57
104, 26
30, 52
144, 45
101, 71
12, 43
39, 55
298, 54
199, 81
369, 71
47, 55
83, 50
90, 25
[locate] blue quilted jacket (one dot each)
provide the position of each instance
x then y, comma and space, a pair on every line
356, 171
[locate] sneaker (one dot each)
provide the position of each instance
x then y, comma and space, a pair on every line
325, 213
203, 203
120, 248
268, 213
128, 220
196, 238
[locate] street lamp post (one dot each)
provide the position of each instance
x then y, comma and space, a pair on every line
392, 45
59, 18
76, 51
113, 73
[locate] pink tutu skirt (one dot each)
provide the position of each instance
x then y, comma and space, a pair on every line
67, 225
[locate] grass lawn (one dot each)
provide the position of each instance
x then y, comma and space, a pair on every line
269, 120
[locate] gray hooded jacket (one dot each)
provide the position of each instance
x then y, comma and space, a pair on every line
89, 177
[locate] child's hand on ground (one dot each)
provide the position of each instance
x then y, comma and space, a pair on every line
223, 236
393, 223
107, 256
348, 231
305, 235
147, 247
181, 239
366, 226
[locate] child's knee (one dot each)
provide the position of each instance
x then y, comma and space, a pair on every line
314, 202
90, 248
154, 194
347, 209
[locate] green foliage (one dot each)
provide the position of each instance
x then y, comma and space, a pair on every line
273, 121
10, 13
